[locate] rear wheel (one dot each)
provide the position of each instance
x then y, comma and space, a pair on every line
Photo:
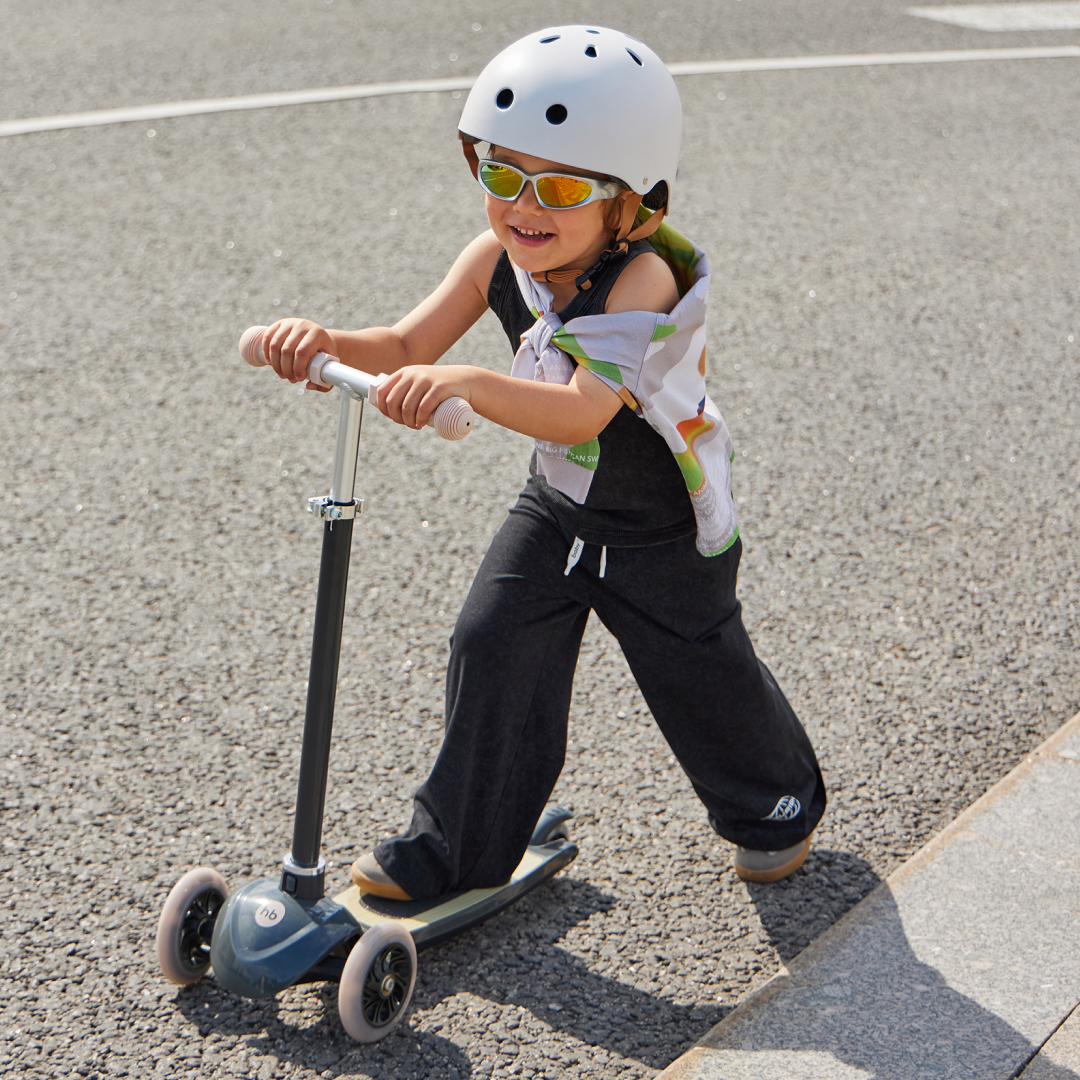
377, 982
187, 925
554, 824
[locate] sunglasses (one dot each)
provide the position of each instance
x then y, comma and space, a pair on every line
556, 191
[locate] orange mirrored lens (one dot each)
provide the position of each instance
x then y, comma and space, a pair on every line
502, 182
562, 191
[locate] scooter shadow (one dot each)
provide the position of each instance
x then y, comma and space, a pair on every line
300, 1028
512, 960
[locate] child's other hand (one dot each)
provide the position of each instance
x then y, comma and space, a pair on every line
411, 395
289, 344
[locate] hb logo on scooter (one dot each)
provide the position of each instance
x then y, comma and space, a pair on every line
270, 913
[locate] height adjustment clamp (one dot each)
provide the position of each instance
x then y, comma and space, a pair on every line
324, 507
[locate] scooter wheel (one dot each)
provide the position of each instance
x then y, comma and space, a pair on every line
187, 923
554, 824
377, 982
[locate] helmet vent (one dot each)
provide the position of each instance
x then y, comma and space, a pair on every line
634, 56
592, 31
590, 51
556, 114
549, 40
504, 98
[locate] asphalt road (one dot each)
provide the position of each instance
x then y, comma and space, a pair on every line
895, 342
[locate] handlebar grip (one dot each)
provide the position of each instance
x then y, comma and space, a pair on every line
452, 419
251, 346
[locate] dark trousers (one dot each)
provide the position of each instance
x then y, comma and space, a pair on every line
513, 653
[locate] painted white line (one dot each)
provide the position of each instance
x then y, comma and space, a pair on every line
233, 104
345, 93
1002, 18
803, 63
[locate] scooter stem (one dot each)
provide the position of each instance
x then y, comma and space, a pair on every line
303, 870
350, 414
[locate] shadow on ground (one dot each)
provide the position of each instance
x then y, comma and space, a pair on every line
869, 1003
489, 963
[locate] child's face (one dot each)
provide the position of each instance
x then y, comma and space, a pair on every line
537, 238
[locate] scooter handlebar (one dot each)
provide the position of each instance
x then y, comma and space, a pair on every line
452, 419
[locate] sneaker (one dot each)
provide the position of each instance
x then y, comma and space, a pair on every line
764, 866
368, 876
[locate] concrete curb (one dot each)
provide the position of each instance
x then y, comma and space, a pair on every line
963, 963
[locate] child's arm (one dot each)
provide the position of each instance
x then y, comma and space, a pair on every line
420, 338
647, 284
570, 414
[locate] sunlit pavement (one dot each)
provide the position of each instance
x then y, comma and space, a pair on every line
894, 341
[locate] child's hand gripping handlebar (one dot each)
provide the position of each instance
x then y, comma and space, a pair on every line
452, 419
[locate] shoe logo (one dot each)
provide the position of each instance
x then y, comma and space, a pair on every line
787, 808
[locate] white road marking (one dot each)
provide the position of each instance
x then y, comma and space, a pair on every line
802, 63
165, 110
232, 104
1002, 18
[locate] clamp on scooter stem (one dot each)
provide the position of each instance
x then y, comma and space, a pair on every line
452, 419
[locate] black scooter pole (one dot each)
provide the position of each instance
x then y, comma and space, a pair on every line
303, 870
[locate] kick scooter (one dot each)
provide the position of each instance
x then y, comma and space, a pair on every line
270, 934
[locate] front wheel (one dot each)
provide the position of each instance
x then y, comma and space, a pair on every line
187, 924
377, 982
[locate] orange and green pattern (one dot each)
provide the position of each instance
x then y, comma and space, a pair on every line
691, 430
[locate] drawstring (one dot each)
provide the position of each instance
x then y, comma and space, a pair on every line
575, 554
575, 557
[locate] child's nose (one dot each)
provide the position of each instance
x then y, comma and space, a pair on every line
527, 200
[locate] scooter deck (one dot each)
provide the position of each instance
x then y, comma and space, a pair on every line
435, 920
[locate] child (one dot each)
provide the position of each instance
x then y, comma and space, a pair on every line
628, 508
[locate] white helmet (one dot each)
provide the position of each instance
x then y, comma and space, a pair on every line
587, 97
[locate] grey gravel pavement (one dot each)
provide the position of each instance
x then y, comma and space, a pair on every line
895, 342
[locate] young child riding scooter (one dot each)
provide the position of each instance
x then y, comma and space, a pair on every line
628, 509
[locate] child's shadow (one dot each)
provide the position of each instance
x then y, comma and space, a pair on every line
524, 965
869, 1002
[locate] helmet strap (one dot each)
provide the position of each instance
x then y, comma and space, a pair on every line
468, 147
583, 278
648, 226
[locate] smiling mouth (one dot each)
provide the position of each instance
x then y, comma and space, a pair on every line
530, 234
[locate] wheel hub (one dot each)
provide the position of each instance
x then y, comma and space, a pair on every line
197, 928
387, 985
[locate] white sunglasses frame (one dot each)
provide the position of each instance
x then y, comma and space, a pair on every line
601, 189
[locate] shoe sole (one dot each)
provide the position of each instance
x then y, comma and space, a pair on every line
386, 890
763, 877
